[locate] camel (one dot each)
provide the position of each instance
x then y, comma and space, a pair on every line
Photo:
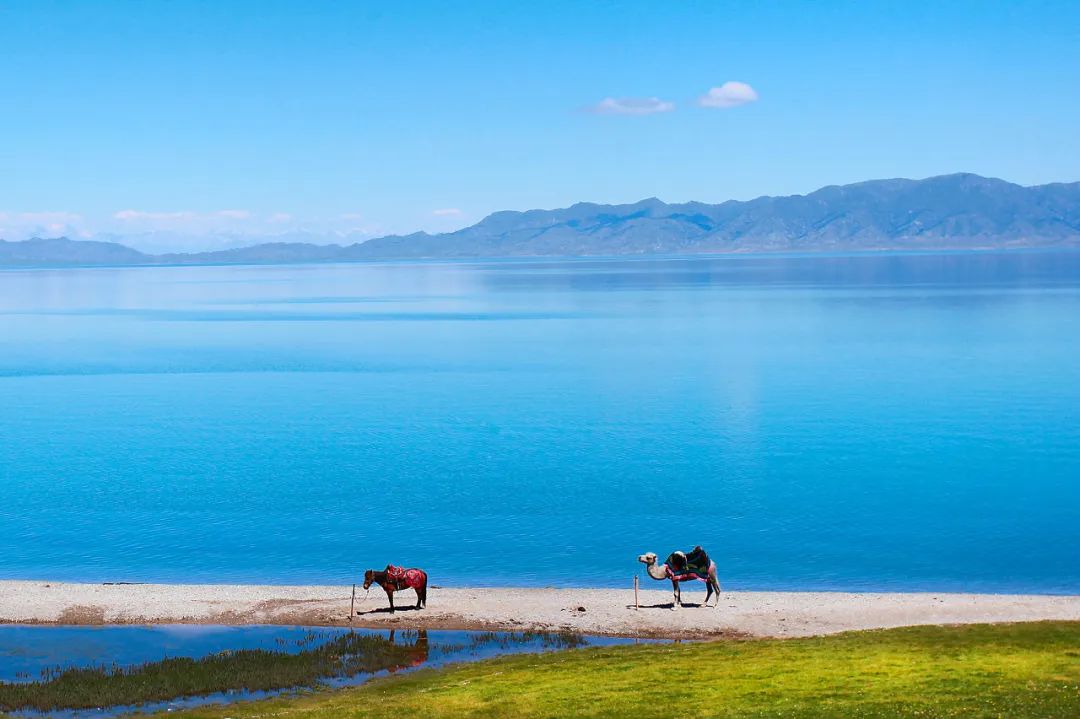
665, 571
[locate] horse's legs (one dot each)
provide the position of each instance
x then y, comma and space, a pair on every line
421, 595
390, 596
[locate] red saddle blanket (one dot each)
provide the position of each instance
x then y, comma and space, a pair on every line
402, 577
685, 577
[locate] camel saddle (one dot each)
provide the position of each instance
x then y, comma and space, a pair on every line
689, 565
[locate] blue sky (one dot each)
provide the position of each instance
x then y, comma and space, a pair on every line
265, 117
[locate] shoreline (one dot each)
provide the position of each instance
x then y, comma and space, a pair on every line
611, 612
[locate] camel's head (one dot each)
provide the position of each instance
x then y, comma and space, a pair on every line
649, 558
369, 577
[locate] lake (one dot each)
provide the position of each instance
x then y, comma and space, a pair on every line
875, 422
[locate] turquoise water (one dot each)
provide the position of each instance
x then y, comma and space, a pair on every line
876, 422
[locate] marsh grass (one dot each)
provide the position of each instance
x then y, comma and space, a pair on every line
544, 640
246, 670
322, 656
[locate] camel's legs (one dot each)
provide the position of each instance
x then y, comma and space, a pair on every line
711, 588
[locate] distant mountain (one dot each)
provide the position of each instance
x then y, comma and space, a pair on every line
269, 252
962, 211
953, 211
162, 242
62, 251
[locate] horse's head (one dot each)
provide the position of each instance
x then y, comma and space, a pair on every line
648, 558
369, 577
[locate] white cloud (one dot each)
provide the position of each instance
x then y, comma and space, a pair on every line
45, 218
446, 212
22, 225
175, 230
352, 216
144, 216
731, 94
128, 215
631, 106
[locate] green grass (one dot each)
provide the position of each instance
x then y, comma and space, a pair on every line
1008, 671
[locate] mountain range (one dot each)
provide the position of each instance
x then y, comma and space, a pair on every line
960, 211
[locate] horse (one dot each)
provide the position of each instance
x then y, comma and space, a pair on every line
681, 572
394, 579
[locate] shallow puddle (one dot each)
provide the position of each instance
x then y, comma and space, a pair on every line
66, 671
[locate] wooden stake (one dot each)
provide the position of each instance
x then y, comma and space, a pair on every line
352, 604
637, 605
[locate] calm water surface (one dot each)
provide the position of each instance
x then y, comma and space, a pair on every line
876, 422
27, 652
42, 653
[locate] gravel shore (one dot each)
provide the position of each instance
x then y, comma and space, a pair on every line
591, 611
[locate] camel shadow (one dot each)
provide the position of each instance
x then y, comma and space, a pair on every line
669, 605
388, 610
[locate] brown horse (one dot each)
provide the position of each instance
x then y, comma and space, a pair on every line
394, 579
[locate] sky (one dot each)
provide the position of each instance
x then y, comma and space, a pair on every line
206, 123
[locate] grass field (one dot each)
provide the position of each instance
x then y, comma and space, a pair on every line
1008, 671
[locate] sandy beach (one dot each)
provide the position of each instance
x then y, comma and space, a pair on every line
591, 611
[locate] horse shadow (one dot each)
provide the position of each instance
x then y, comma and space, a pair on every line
388, 610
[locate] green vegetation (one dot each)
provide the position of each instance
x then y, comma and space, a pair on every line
246, 670
324, 656
1009, 671
1013, 671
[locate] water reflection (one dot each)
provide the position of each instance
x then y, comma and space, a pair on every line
967, 269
